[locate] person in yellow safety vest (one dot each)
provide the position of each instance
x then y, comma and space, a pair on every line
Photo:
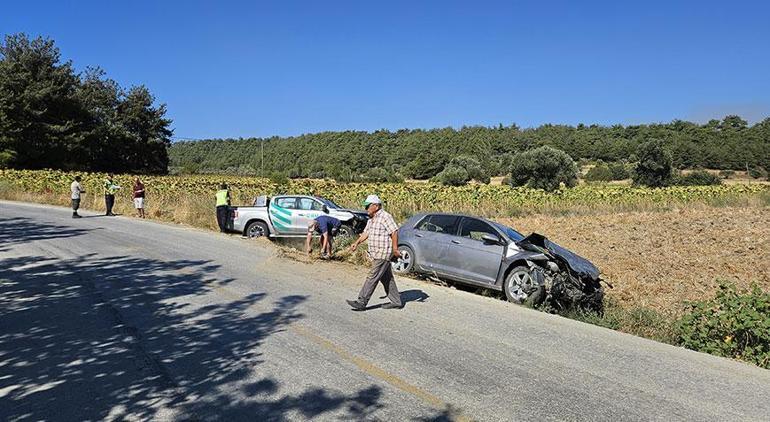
223, 206
110, 188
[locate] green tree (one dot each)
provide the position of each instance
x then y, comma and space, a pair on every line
51, 117
100, 97
599, 173
146, 134
452, 176
721, 144
655, 164
757, 172
472, 166
543, 168
697, 178
620, 171
425, 165
39, 111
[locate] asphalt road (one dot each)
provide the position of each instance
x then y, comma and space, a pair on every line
116, 318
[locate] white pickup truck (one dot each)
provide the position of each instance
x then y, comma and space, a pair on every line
289, 216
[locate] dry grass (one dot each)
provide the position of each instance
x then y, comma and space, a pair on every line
660, 259
656, 255
182, 210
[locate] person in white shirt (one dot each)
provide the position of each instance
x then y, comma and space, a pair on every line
76, 190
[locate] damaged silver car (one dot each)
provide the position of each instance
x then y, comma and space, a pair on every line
530, 269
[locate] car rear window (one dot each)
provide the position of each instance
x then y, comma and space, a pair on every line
440, 224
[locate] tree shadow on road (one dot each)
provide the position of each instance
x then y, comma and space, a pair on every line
123, 337
449, 414
19, 230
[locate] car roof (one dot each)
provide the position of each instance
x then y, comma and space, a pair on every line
424, 214
452, 214
295, 196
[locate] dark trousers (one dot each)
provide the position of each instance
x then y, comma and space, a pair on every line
75, 206
222, 217
109, 202
380, 272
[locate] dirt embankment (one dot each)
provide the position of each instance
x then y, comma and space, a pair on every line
660, 259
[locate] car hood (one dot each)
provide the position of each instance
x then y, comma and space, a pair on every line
357, 213
579, 265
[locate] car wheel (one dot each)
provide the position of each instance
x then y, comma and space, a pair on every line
256, 229
519, 285
405, 264
346, 231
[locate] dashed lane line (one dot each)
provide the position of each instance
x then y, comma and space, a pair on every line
377, 372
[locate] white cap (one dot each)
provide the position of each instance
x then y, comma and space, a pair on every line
372, 199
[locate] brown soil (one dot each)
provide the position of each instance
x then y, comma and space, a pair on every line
661, 259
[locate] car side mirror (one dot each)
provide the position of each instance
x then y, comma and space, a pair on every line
326, 209
490, 240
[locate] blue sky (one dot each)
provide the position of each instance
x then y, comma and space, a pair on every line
248, 68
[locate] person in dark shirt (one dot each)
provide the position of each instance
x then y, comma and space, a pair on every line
327, 227
138, 197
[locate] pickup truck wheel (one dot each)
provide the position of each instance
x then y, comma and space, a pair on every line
518, 285
405, 264
346, 231
256, 229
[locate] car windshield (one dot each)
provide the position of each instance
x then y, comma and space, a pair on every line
329, 203
513, 234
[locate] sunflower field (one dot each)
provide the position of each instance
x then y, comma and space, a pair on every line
402, 199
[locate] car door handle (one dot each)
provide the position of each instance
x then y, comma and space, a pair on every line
417, 235
456, 242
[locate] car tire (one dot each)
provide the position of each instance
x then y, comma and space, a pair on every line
257, 229
346, 230
405, 264
517, 285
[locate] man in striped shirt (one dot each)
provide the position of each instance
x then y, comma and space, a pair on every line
382, 234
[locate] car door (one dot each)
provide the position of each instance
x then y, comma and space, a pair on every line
282, 214
307, 210
432, 239
472, 258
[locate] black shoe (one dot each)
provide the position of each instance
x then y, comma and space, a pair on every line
356, 305
392, 306
77, 216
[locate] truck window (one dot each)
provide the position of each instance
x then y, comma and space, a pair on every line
310, 204
288, 202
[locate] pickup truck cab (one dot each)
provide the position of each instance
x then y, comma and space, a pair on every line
289, 216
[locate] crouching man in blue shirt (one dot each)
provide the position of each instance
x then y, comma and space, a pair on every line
327, 227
